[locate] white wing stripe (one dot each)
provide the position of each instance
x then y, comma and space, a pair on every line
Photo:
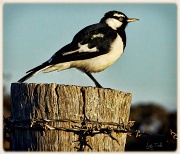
82, 48
97, 35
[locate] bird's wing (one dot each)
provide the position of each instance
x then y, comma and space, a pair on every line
90, 42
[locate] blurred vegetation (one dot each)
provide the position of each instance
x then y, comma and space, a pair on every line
154, 124
6, 105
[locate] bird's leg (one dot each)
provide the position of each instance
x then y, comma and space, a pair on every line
94, 80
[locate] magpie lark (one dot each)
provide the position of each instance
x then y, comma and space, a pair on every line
92, 49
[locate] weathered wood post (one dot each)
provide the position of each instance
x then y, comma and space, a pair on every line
51, 117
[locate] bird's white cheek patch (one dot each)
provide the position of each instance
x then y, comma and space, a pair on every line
82, 48
113, 23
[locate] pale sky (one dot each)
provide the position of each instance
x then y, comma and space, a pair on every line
32, 33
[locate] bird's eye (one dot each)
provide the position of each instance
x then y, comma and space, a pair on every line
120, 18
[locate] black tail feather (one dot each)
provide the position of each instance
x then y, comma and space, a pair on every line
26, 77
33, 71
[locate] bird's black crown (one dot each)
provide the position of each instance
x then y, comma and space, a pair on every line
113, 14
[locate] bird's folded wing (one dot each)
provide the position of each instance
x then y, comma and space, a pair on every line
90, 42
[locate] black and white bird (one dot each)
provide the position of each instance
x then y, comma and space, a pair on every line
92, 49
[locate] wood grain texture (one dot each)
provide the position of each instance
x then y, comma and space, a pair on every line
53, 101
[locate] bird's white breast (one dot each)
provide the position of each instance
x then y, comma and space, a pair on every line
101, 62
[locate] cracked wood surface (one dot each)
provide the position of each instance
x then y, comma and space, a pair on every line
53, 101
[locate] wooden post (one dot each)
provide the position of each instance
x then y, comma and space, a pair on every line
51, 117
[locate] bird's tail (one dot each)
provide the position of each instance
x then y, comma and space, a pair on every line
34, 71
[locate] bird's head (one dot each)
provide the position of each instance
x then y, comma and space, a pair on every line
115, 19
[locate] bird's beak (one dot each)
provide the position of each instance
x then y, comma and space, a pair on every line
132, 19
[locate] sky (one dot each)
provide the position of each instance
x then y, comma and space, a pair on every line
32, 33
